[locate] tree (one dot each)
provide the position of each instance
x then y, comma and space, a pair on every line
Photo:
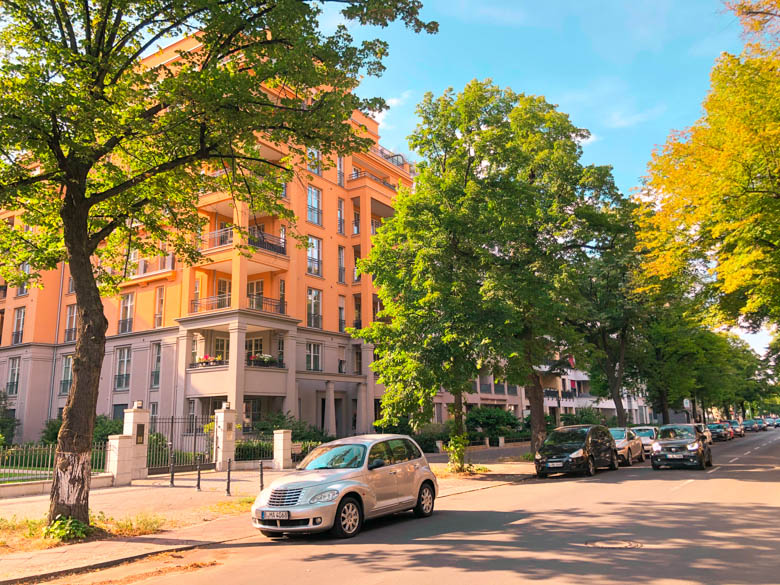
714, 187
474, 268
8, 422
103, 153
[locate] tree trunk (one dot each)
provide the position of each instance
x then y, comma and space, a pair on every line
535, 394
456, 410
664, 407
614, 391
614, 373
744, 412
72, 464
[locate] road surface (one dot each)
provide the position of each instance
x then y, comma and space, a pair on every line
682, 527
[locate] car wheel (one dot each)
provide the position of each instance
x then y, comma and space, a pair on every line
655, 465
270, 534
702, 462
541, 475
642, 456
629, 458
614, 464
590, 469
424, 507
349, 518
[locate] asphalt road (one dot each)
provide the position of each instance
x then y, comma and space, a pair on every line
686, 526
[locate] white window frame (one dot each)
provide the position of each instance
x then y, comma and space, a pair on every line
313, 356
14, 365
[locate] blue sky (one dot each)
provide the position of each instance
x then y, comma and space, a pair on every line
629, 71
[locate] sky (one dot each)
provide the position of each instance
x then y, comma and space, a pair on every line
629, 71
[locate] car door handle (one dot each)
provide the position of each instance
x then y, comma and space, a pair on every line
417, 466
392, 473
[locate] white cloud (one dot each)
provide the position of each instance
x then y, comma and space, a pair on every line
392, 102
624, 119
590, 139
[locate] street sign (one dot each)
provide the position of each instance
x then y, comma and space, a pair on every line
687, 403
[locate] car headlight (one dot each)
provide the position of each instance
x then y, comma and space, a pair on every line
262, 498
326, 496
576, 455
693, 446
538, 456
656, 447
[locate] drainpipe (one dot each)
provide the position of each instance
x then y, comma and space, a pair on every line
56, 341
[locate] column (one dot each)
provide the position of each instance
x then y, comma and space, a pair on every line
362, 399
224, 436
330, 409
238, 277
236, 366
188, 287
291, 385
184, 343
282, 449
137, 427
368, 357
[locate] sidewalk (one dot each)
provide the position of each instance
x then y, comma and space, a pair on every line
155, 496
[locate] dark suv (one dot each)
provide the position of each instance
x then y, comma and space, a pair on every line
576, 448
681, 446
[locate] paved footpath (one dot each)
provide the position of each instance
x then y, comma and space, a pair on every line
184, 503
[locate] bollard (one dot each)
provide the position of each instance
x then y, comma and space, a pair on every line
262, 484
170, 460
227, 491
197, 485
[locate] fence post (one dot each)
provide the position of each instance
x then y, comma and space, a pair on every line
282, 449
262, 482
137, 427
170, 460
227, 490
197, 485
119, 458
224, 436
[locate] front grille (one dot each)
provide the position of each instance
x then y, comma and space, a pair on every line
285, 523
284, 497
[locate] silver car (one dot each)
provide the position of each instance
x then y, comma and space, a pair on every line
648, 435
342, 483
629, 445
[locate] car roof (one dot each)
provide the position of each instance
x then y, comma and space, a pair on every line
567, 427
680, 425
366, 439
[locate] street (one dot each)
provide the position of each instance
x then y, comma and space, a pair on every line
635, 525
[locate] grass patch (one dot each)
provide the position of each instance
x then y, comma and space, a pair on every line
239, 506
442, 471
138, 525
529, 457
23, 535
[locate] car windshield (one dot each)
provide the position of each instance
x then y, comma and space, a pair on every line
645, 432
567, 437
715, 427
334, 457
677, 432
618, 433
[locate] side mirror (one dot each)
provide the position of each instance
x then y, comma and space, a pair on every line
376, 464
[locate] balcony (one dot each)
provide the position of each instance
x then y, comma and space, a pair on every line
342, 274
16, 337
217, 239
264, 241
390, 156
314, 266
266, 304
364, 174
154, 379
258, 361
553, 393
157, 265
206, 362
122, 382
125, 326
314, 215
70, 334
65, 386
12, 388
210, 304
314, 321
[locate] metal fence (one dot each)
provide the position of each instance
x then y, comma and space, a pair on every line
254, 447
182, 441
36, 462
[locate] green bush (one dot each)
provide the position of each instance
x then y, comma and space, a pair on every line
66, 528
301, 431
104, 426
584, 416
2, 440
490, 422
456, 449
427, 436
251, 449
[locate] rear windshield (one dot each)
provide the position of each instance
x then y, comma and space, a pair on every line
618, 433
567, 437
676, 432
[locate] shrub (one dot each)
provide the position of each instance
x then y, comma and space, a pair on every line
428, 434
301, 431
584, 416
251, 449
66, 528
104, 426
456, 449
2, 440
493, 422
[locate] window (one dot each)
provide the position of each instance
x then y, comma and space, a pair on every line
375, 225
340, 170
67, 374
24, 287
342, 314
224, 289
283, 238
358, 309
356, 222
281, 291
132, 263
190, 415
356, 255
313, 356
314, 308
70, 323
340, 215
358, 361
314, 214
342, 266
122, 378
12, 387
254, 294
118, 412
70, 285
284, 190
154, 382
159, 305
313, 161
18, 332
126, 313
314, 256
154, 412
194, 349
438, 413
280, 349
253, 347
222, 349
196, 291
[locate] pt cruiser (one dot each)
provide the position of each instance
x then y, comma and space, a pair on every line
341, 483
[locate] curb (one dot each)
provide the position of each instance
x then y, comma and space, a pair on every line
115, 562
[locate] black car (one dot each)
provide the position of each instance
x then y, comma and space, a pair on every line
720, 432
750, 425
681, 446
577, 448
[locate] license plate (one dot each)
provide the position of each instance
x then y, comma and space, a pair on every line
555, 464
273, 515
674, 456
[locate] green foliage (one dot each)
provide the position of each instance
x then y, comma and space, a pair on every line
301, 430
65, 529
456, 449
2, 440
252, 449
583, 416
493, 422
8, 423
104, 426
